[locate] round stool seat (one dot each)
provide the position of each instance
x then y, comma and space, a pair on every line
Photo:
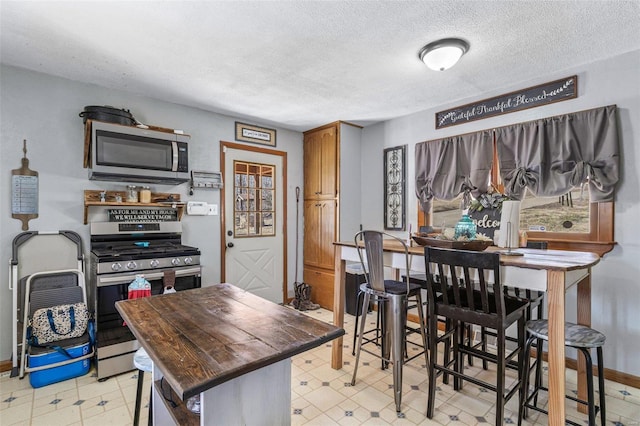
575, 335
142, 361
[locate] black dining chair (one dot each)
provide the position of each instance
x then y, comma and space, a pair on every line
456, 297
392, 297
534, 311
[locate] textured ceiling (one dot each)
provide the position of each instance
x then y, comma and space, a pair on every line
300, 64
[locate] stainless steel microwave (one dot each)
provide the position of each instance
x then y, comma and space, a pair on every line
130, 154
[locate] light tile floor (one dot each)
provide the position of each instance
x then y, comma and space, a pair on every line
319, 396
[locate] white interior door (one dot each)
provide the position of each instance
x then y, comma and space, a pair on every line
254, 220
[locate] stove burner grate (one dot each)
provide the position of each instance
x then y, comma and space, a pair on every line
134, 252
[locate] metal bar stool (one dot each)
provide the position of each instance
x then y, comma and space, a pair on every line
143, 363
394, 294
376, 330
579, 337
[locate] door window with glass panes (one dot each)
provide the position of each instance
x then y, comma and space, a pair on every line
254, 211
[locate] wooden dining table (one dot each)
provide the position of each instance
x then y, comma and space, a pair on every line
553, 271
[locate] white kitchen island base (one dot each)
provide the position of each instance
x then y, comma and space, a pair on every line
261, 397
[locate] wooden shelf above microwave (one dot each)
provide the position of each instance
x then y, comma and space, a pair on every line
158, 199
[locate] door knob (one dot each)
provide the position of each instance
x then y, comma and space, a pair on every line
229, 245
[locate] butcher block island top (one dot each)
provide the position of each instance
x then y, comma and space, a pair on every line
204, 337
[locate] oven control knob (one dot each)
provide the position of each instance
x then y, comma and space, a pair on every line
154, 263
132, 265
188, 260
175, 262
116, 267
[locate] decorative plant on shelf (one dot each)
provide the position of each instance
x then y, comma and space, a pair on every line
486, 201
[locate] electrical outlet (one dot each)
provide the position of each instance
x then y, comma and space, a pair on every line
213, 210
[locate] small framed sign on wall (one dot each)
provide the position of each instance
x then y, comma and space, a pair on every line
254, 134
395, 184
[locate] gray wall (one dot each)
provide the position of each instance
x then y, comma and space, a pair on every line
615, 285
44, 110
350, 193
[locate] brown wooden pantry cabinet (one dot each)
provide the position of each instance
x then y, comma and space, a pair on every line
331, 201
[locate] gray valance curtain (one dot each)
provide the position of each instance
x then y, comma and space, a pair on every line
553, 155
447, 167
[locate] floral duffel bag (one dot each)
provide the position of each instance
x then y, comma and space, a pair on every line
58, 323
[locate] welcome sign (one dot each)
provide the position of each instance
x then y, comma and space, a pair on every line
486, 213
531, 97
487, 220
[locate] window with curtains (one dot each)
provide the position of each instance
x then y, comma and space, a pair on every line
449, 167
570, 161
566, 213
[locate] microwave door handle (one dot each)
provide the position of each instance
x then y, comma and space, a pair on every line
174, 150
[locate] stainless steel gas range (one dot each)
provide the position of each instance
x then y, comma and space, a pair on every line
119, 252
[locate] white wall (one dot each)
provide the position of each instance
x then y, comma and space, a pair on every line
44, 110
615, 285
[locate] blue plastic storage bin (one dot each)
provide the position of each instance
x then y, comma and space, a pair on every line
61, 373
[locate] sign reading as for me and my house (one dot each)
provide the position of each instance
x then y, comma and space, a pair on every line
142, 215
548, 93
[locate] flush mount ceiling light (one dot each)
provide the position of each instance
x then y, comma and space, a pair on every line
443, 54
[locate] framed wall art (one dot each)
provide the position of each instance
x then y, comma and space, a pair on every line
395, 184
254, 134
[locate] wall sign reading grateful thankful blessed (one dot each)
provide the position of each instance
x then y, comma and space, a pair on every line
543, 94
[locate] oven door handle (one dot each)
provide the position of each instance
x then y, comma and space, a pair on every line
104, 281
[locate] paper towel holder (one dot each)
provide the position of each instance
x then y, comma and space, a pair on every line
510, 252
